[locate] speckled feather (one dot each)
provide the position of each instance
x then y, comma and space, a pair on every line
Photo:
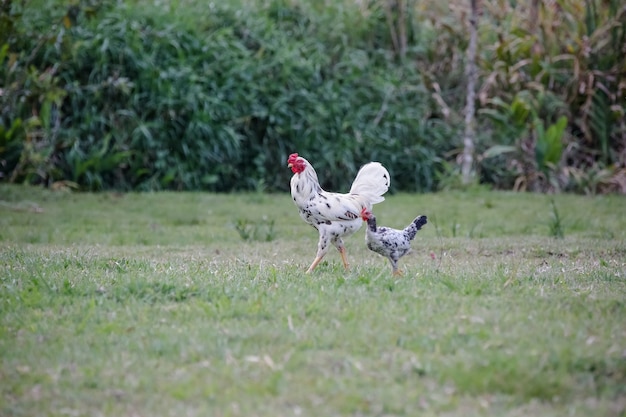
393, 244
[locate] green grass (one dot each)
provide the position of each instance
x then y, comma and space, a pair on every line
153, 304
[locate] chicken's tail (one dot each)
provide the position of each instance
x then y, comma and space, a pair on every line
411, 230
371, 182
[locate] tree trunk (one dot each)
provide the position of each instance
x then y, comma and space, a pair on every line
396, 14
469, 138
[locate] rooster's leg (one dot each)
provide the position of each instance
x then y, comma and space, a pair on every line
314, 264
342, 252
322, 248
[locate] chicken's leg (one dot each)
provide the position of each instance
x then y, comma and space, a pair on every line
338, 242
318, 259
322, 248
394, 266
314, 264
342, 252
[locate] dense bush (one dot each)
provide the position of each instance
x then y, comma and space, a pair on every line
126, 99
186, 95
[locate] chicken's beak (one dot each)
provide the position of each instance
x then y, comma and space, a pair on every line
289, 165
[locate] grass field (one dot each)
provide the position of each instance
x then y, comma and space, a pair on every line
154, 305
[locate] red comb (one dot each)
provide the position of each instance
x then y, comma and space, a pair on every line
292, 158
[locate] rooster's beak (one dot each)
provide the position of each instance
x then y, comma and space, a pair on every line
289, 165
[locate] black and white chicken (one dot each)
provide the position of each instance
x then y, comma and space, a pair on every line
393, 244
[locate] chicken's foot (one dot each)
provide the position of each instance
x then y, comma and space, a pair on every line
316, 261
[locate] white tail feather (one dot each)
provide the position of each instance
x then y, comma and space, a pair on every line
371, 182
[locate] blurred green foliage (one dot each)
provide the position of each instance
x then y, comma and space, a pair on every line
112, 94
554, 90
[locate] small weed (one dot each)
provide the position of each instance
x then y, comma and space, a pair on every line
245, 228
475, 232
261, 231
454, 228
433, 221
556, 222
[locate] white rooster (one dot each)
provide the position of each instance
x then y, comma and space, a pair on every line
335, 215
